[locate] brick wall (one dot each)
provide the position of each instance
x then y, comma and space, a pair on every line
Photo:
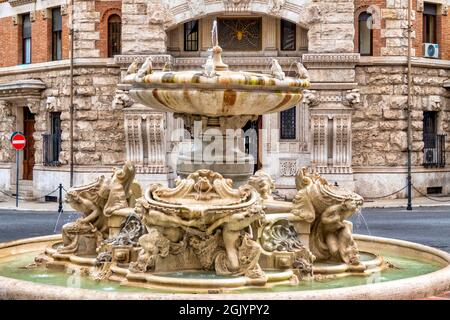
106, 9
9, 42
393, 39
444, 22
41, 38
65, 37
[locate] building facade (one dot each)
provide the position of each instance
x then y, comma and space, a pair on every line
351, 126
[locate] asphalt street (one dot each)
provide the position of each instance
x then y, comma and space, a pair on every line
426, 225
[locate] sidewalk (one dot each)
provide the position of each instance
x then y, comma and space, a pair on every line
401, 203
27, 206
10, 204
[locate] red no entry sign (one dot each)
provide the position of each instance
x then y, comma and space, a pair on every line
18, 141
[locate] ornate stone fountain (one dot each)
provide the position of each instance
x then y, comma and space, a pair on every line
220, 229
218, 100
204, 226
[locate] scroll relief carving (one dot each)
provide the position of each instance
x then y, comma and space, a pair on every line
204, 213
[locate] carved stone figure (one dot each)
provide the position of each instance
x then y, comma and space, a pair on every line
159, 12
263, 183
121, 100
133, 67
105, 204
352, 97
276, 6
311, 98
327, 207
211, 214
146, 68
197, 7
276, 70
89, 200
302, 73
153, 244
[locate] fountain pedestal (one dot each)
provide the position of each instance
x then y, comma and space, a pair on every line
218, 145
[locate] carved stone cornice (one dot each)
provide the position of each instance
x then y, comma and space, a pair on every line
16, 3
159, 60
21, 89
331, 60
242, 62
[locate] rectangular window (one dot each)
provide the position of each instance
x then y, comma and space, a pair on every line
429, 23
429, 128
26, 39
365, 34
52, 140
288, 35
288, 123
191, 36
56, 34
433, 143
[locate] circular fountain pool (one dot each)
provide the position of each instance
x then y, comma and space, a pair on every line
418, 271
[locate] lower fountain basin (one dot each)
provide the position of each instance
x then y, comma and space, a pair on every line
421, 271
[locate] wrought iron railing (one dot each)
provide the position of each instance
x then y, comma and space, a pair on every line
51, 149
434, 150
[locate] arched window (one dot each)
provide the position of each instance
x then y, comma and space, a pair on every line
365, 34
114, 35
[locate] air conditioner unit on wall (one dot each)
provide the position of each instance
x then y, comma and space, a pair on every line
431, 50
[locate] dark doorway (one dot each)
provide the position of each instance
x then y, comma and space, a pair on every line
28, 152
252, 145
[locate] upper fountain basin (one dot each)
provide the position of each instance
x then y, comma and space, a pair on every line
226, 93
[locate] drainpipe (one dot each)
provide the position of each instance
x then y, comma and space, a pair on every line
71, 33
409, 133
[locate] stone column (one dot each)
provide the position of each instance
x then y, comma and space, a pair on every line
331, 105
143, 26
84, 19
396, 32
331, 25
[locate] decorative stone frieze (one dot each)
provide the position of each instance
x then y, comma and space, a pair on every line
145, 139
276, 6
197, 7
236, 5
16, 3
288, 167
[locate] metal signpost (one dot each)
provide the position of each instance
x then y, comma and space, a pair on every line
18, 142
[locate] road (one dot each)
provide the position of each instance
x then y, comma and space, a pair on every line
429, 226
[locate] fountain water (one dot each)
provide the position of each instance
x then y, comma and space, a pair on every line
204, 235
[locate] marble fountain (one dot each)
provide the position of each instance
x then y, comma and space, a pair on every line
219, 233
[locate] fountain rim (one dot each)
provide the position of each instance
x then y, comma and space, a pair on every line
408, 288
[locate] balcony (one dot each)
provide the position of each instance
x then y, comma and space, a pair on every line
51, 149
434, 151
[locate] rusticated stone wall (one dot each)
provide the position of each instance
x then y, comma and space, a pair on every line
380, 120
334, 29
98, 131
143, 24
